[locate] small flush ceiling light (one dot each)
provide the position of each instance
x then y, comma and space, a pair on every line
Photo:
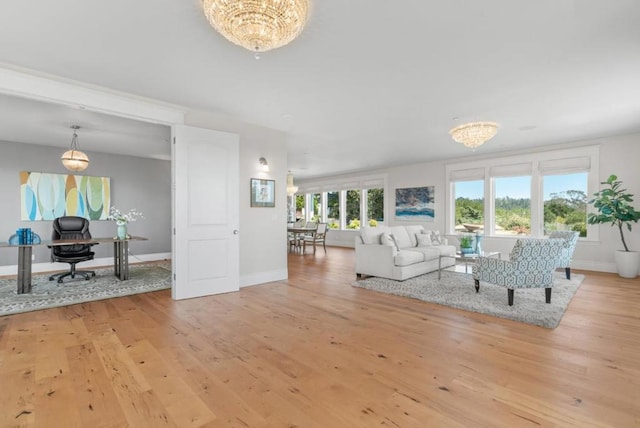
257, 25
73, 159
264, 166
291, 189
474, 134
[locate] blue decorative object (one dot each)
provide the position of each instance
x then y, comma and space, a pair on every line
478, 243
24, 237
467, 250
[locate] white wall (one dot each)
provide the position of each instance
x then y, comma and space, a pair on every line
263, 231
618, 155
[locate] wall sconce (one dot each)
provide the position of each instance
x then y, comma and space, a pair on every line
264, 166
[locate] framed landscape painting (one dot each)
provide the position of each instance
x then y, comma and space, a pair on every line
263, 193
415, 204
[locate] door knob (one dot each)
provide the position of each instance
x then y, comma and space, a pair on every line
236, 231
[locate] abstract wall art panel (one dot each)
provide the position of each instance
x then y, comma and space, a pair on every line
45, 196
415, 204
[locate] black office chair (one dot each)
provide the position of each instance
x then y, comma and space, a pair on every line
71, 227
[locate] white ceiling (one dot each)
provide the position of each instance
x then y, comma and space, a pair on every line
369, 83
35, 122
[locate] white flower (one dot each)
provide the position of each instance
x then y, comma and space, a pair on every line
119, 218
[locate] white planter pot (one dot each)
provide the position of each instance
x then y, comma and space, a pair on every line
628, 263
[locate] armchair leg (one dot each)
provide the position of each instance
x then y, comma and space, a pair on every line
547, 294
477, 284
567, 272
510, 295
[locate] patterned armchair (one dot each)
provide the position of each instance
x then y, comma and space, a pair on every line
531, 264
571, 238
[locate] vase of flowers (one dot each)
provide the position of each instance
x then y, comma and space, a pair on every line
122, 220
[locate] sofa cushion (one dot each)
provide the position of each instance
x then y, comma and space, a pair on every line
429, 253
402, 237
371, 235
412, 230
408, 257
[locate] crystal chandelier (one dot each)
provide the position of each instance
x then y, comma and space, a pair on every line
74, 159
474, 134
257, 25
291, 189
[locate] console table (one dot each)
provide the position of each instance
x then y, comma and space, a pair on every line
120, 257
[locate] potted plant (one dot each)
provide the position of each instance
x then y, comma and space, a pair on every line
614, 206
466, 246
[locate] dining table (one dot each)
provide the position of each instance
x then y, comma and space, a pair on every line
295, 232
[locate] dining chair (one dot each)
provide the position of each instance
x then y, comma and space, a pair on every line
318, 237
294, 238
294, 242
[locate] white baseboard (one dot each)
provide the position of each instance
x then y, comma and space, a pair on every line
100, 262
594, 266
263, 277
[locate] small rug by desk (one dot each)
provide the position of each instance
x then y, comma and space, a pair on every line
49, 294
456, 290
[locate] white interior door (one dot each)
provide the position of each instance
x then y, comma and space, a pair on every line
205, 212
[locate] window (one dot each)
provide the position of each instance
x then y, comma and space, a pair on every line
375, 206
315, 211
346, 204
532, 194
300, 209
565, 202
353, 209
333, 210
469, 203
512, 205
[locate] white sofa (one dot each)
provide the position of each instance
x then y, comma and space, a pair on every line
400, 252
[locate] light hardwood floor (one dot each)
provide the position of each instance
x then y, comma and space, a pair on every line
314, 351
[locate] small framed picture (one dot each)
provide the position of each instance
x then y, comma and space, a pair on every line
263, 193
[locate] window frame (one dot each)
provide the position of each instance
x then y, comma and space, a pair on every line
556, 162
361, 184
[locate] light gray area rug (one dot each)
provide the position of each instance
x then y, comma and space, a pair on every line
457, 290
49, 294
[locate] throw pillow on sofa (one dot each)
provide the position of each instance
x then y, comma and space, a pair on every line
395, 241
412, 230
436, 239
423, 240
371, 235
387, 239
